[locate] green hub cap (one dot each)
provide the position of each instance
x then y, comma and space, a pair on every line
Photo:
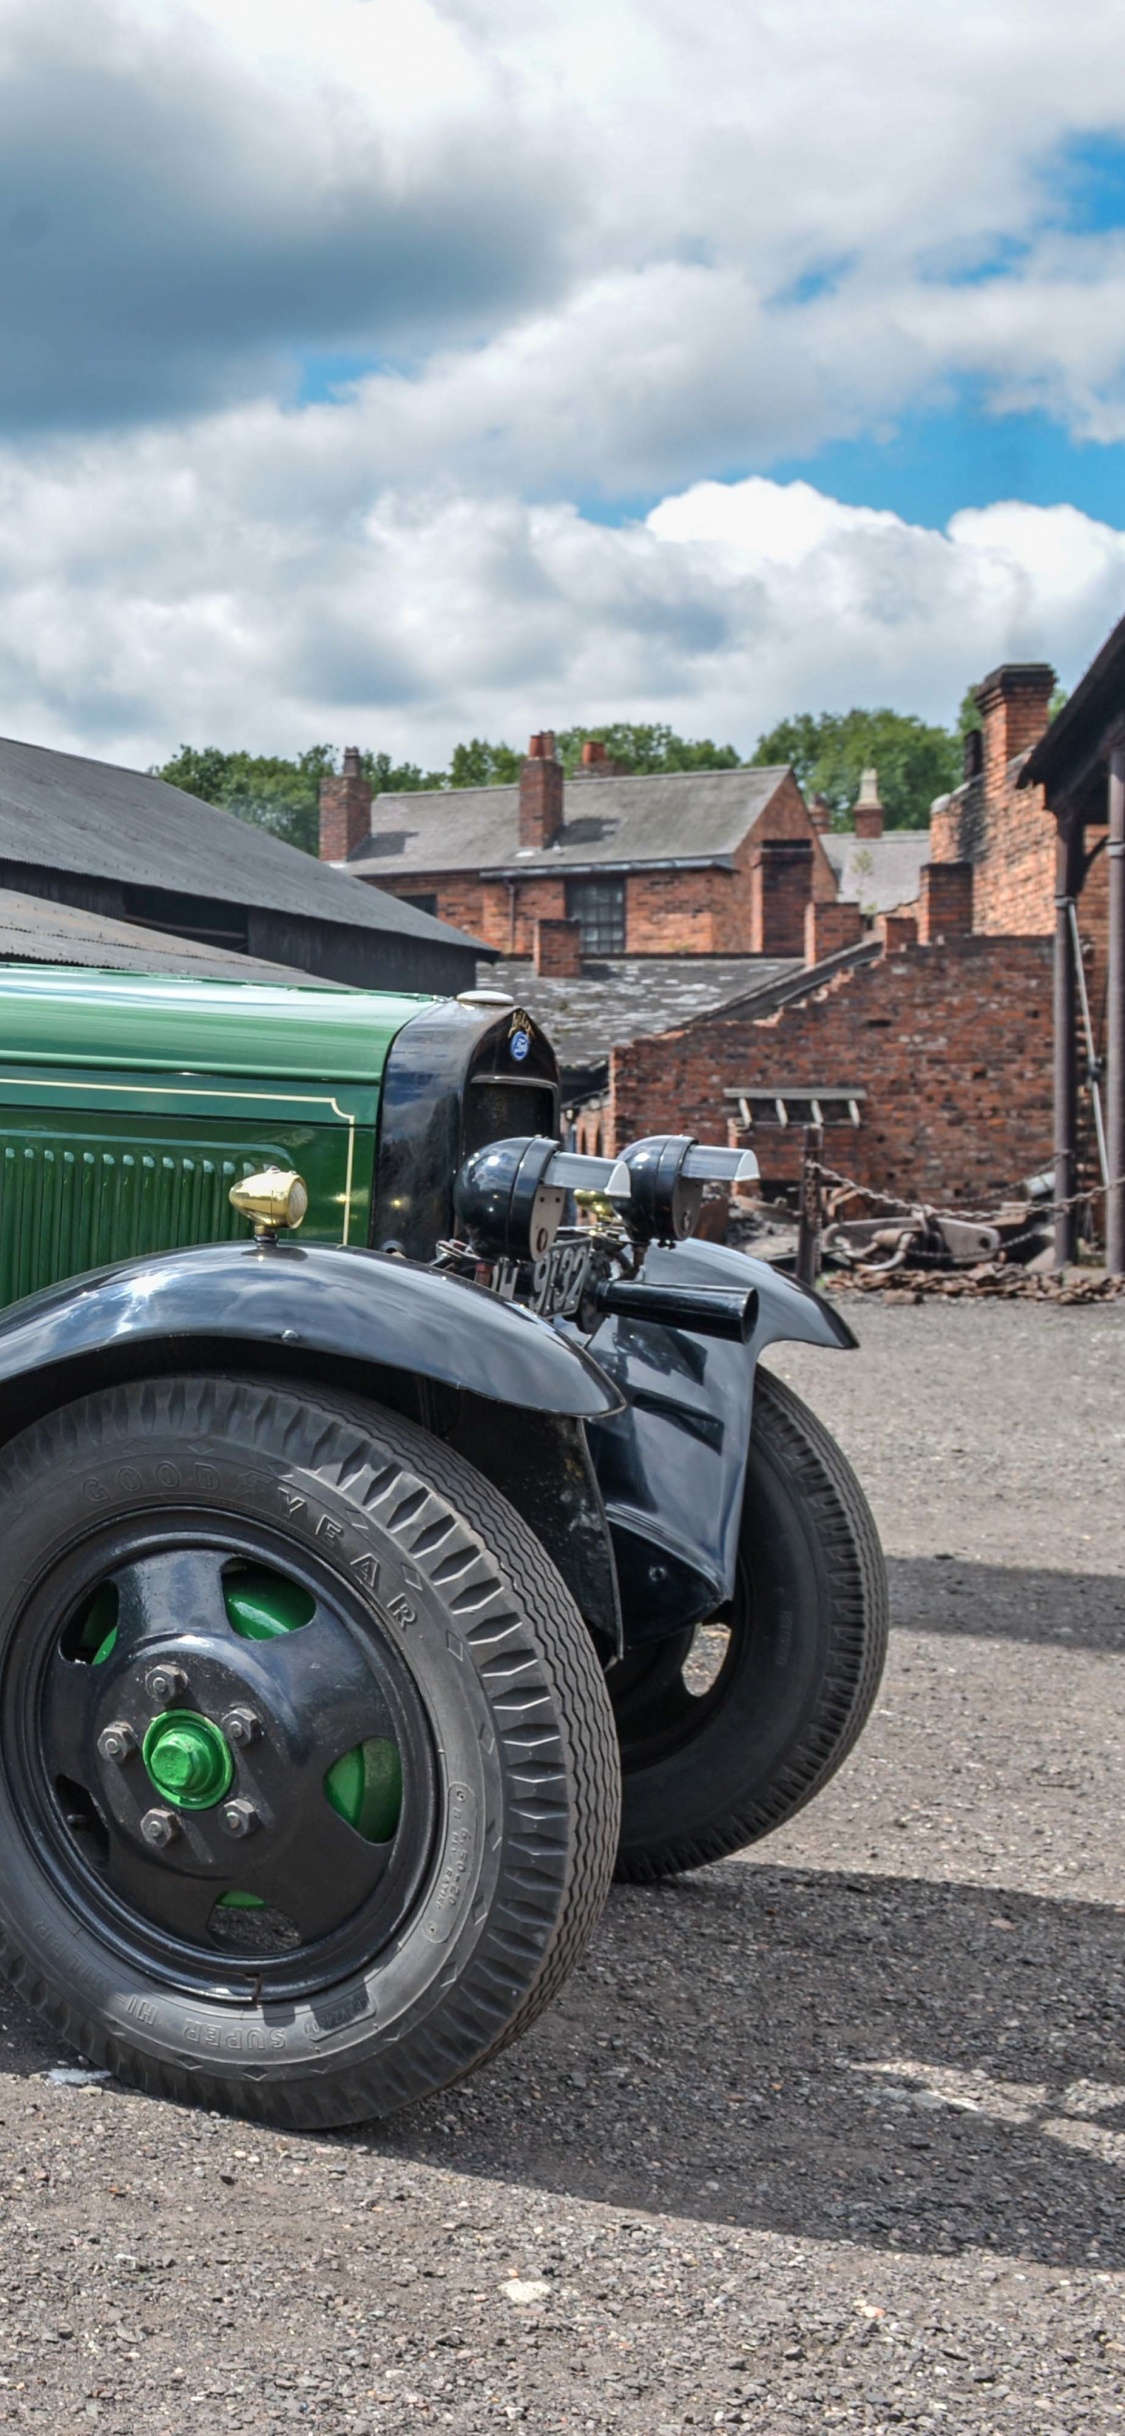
188, 1759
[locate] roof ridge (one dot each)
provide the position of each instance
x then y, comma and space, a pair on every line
612, 778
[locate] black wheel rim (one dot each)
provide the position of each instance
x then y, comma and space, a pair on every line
307, 1698
666, 1697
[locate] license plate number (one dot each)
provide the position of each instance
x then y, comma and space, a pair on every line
557, 1283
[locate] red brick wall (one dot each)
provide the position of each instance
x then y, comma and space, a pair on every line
558, 949
479, 906
1009, 838
667, 913
345, 810
945, 902
952, 1046
781, 873
1005, 832
828, 928
1014, 703
897, 930
676, 913
786, 816
541, 793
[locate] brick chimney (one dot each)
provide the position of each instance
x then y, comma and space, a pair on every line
345, 810
820, 813
867, 811
596, 762
945, 903
1014, 703
541, 793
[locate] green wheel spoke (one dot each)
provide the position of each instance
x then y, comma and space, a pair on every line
365, 1787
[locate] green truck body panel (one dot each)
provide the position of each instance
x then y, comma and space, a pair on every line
129, 1105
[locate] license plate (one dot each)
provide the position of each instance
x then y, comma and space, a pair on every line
557, 1281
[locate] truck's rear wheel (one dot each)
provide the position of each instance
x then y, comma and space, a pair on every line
308, 1778
726, 1731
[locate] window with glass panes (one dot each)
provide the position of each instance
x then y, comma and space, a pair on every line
598, 907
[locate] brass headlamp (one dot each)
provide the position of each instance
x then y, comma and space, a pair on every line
277, 1197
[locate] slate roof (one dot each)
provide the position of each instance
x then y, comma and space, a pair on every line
878, 873
619, 997
684, 817
34, 930
68, 813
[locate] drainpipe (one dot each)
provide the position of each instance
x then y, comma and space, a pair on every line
1066, 1065
1115, 1025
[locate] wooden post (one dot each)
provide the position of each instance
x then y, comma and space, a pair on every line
808, 1225
1115, 1019
1066, 1068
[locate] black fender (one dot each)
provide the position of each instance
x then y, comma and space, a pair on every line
502, 1386
672, 1462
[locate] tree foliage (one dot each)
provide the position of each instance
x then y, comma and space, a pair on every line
639, 748
282, 796
481, 765
830, 753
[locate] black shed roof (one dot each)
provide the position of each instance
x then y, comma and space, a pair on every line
67, 813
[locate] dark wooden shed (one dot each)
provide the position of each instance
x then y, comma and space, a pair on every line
126, 846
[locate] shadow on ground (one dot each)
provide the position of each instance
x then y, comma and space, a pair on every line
1008, 1602
891, 2061
904, 2064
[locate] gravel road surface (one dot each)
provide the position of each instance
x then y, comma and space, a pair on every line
828, 2137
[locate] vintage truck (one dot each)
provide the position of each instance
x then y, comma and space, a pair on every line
369, 1595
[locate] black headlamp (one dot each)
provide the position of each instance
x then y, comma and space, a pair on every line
509, 1197
667, 1173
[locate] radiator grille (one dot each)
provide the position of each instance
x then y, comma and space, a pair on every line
62, 1211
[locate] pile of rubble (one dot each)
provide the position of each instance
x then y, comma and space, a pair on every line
989, 1277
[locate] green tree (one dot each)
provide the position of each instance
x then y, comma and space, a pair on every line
640, 748
482, 765
279, 795
915, 762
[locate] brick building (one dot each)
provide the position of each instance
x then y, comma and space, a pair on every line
1005, 834
943, 1049
929, 1067
700, 862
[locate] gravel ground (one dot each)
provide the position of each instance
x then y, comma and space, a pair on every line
830, 2137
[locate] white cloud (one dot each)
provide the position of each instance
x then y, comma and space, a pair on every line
597, 249
253, 583
597, 226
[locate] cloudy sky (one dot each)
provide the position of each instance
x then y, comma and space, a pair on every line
396, 370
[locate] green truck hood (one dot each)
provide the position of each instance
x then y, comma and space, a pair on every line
59, 1015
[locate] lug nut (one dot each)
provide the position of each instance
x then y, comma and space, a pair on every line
166, 1683
160, 1827
117, 1741
241, 1727
240, 1818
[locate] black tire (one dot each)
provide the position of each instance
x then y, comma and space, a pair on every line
705, 1772
429, 1594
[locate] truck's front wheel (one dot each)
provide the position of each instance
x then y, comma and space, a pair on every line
729, 1730
308, 1779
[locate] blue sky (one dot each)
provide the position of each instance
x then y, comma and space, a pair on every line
395, 370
